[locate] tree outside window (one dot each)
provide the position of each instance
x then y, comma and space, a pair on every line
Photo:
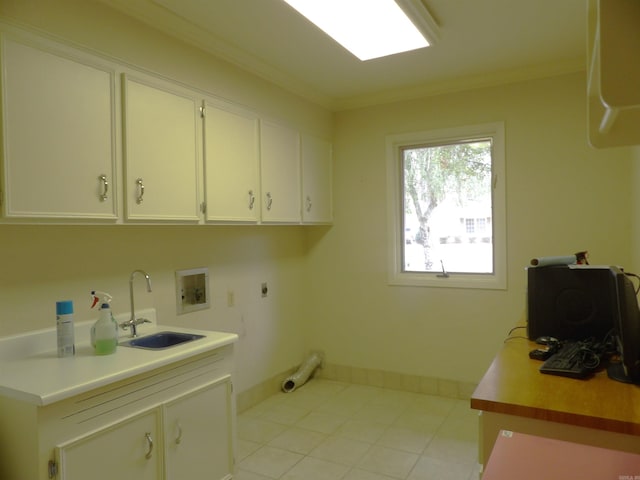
441, 183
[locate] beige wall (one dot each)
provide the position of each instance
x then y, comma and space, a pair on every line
562, 197
42, 264
328, 285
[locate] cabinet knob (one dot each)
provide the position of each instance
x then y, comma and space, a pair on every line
140, 190
252, 199
269, 200
309, 203
105, 188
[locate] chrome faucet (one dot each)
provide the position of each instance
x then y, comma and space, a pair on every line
133, 322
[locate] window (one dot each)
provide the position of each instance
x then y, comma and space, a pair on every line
447, 207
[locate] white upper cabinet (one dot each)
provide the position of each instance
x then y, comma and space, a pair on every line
316, 180
59, 133
85, 139
614, 72
231, 163
162, 151
280, 173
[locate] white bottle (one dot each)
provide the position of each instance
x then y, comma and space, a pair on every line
104, 333
64, 328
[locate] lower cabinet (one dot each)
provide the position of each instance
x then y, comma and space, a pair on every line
187, 438
171, 423
197, 434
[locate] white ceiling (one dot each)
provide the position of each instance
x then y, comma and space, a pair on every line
482, 42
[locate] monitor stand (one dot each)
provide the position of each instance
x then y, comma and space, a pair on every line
615, 371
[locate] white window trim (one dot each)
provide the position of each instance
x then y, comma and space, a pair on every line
497, 280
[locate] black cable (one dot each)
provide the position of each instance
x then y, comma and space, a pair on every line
514, 329
628, 274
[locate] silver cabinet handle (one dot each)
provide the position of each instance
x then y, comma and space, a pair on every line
269, 200
150, 444
252, 199
105, 187
179, 437
309, 203
140, 190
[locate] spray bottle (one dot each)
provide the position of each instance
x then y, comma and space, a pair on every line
104, 333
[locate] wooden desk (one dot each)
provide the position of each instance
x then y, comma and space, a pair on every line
514, 395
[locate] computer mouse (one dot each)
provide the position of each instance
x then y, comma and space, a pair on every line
546, 340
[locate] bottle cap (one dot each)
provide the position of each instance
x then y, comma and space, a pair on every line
64, 307
105, 306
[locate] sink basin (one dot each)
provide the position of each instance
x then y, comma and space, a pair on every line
160, 340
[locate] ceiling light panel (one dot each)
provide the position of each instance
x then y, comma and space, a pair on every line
367, 28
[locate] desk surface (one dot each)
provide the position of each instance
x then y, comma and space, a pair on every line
513, 385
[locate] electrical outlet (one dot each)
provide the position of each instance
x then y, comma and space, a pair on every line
264, 289
231, 298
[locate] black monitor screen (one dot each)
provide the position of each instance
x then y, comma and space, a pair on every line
627, 331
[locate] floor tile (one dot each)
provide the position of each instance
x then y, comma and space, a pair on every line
341, 450
245, 475
258, 430
327, 430
359, 474
408, 440
322, 422
388, 461
316, 469
428, 468
364, 431
270, 461
244, 448
298, 440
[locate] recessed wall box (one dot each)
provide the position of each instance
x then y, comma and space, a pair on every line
192, 290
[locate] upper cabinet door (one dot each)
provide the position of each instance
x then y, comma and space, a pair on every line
163, 141
316, 180
231, 150
280, 173
59, 133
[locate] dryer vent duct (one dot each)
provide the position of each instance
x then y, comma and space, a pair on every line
304, 372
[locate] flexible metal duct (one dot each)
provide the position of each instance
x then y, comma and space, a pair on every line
304, 372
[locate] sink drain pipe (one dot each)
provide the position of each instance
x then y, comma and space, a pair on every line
304, 372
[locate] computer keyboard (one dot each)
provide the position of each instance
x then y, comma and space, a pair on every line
573, 359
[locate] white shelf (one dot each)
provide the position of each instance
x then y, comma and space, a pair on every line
614, 73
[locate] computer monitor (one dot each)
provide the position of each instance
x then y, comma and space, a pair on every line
626, 331
570, 302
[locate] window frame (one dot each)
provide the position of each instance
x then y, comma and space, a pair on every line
395, 204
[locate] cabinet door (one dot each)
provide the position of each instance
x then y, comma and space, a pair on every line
59, 140
316, 180
280, 173
162, 152
198, 434
231, 146
127, 450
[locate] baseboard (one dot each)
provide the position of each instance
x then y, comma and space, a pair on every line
361, 376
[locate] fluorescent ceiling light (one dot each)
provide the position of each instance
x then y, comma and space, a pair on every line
367, 28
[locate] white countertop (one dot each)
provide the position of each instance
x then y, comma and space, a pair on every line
31, 371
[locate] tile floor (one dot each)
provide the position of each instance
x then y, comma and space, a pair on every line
327, 430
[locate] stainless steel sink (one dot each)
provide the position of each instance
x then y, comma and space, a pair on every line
161, 340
